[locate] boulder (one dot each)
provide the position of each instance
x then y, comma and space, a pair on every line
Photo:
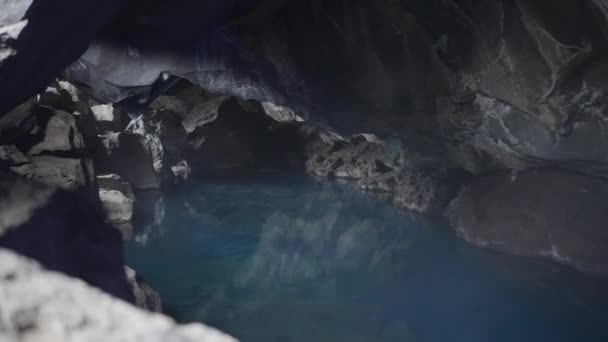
58, 132
203, 113
538, 213
117, 200
10, 155
356, 159
66, 173
280, 113
420, 193
62, 95
41, 305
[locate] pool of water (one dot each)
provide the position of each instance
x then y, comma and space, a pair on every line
292, 259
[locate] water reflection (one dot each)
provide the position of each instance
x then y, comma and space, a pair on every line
294, 260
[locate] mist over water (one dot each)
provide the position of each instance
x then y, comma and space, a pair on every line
291, 259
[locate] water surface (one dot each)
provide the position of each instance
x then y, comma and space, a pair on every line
291, 259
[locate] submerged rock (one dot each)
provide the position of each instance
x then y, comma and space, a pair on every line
539, 213
40, 305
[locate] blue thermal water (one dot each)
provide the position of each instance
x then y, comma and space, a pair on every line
291, 259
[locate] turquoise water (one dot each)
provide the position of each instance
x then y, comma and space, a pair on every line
291, 259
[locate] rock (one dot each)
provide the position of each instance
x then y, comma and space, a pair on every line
40, 305
62, 95
117, 201
356, 159
12, 123
145, 297
59, 133
203, 113
181, 170
66, 173
422, 194
12, 156
279, 113
12, 22
538, 213
501, 136
131, 156
64, 231
103, 112
171, 104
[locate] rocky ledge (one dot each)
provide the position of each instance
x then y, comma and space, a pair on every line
540, 213
380, 167
40, 305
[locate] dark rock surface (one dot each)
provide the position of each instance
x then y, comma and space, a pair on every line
540, 213
378, 167
63, 231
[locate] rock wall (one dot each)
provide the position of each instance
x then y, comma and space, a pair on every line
506, 98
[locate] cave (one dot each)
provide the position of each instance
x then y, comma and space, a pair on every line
304, 170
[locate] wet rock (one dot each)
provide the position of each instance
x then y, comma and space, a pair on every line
145, 297
40, 305
539, 213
